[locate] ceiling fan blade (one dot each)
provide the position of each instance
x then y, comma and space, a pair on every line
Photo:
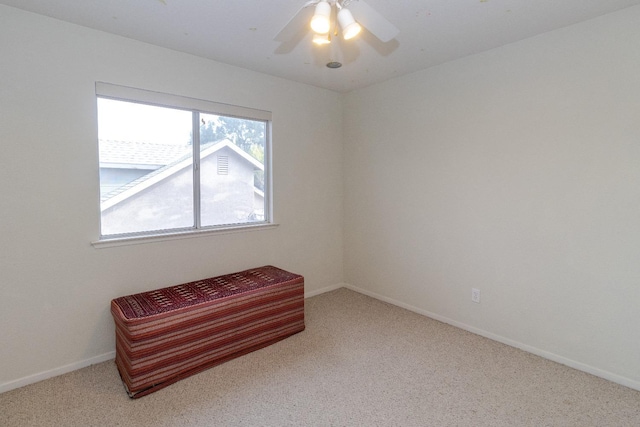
369, 18
296, 24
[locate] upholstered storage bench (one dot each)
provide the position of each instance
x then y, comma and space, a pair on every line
168, 334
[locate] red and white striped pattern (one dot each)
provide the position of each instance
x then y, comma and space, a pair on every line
165, 335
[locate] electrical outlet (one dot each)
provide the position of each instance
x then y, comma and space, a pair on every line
475, 295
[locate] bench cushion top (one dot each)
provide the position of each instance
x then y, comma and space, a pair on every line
188, 294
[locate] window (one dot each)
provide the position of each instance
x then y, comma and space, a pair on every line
171, 164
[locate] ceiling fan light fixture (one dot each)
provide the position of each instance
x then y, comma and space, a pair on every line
350, 28
321, 39
321, 21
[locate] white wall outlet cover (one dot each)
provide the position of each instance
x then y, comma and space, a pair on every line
475, 295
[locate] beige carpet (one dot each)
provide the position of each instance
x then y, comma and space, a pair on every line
360, 362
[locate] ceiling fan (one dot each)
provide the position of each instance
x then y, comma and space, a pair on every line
330, 16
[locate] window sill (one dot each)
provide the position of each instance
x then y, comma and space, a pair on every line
138, 240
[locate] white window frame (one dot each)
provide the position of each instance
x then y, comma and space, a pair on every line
129, 94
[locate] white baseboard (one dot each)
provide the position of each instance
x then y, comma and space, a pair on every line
618, 379
31, 379
324, 290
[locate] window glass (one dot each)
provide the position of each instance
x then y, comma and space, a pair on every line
146, 164
166, 169
231, 170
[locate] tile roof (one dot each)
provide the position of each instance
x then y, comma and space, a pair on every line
140, 153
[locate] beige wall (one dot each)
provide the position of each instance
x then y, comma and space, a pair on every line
55, 286
517, 172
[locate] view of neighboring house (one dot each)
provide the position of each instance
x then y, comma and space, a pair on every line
122, 162
147, 186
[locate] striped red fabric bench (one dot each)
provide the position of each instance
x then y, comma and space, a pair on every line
168, 334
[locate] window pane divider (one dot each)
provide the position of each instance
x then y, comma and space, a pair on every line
196, 169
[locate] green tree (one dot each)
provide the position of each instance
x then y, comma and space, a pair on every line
249, 135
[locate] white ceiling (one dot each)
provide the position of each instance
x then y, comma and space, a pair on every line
241, 32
